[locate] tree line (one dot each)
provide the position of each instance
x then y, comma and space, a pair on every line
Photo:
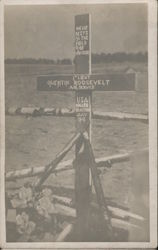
96, 58
37, 61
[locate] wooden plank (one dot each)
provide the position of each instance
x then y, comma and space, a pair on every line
84, 82
63, 199
122, 213
117, 223
66, 231
65, 210
104, 211
64, 166
120, 116
68, 112
50, 167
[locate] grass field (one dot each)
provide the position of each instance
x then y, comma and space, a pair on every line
35, 141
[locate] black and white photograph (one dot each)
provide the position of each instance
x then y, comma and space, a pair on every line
78, 124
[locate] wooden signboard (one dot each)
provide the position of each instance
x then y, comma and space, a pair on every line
108, 82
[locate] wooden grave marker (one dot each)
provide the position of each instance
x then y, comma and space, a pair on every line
84, 83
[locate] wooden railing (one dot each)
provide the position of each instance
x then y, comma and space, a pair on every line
68, 112
56, 165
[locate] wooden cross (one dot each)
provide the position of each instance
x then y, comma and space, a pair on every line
84, 83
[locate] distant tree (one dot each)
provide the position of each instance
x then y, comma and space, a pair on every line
29, 61
119, 57
58, 61
66, 61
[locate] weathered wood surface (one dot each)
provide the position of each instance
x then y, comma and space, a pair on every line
64, 166
51, 166
66, 231
38, 111
122, 213
67, 112
65, 210
104, 211
120, 116
115, 222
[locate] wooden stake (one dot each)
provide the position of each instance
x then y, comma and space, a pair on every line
50, 167
104, 211
66, 231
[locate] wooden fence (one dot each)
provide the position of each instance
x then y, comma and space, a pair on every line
67, 112
64, 203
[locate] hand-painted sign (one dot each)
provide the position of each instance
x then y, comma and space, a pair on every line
109, 82
82, 34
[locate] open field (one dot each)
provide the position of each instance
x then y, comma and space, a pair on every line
34, 141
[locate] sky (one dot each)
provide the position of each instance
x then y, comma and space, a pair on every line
48, 31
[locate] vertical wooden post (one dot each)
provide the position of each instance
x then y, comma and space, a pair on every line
105, 221
83, 123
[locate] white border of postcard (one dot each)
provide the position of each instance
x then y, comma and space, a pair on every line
152, 80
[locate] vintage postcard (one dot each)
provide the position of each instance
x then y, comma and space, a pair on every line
78, 111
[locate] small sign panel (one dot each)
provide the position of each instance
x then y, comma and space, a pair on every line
82, 34
83, 110
109, 82
83, 101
